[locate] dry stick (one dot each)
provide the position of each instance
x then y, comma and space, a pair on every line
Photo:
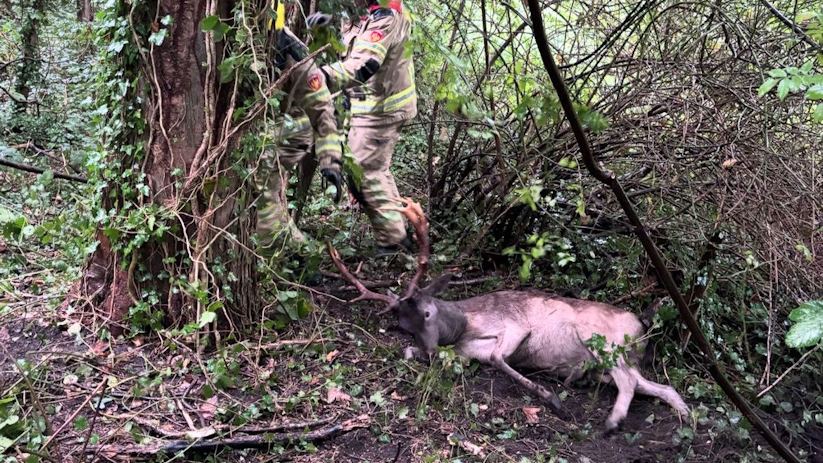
74, 415
38, 170
795, 365
609, 179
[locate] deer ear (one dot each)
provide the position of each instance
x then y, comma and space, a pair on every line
439, 285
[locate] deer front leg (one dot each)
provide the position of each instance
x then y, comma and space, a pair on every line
505, 348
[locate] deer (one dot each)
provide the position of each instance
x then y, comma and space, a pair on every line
525, 329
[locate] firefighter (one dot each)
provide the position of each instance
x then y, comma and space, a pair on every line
312, 122
378, 75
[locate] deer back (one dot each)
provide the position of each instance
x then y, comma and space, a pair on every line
538, 330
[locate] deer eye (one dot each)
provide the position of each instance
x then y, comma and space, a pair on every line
427, 314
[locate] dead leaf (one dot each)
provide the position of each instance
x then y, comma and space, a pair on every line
531, 414
465, 444
728, 163
208, 408
336, 394
395, 396
332, 355
99, 348
5, 338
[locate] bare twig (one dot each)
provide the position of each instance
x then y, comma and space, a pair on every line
71, 418
794, 365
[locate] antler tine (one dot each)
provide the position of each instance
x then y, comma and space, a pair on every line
414, 212
365, 294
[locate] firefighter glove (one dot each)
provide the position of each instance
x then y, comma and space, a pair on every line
316, 20
332, 175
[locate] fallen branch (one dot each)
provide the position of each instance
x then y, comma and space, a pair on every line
246, 442
38, 170
158, 430
608, 178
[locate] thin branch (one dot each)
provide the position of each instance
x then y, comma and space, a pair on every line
71, 418
794, 27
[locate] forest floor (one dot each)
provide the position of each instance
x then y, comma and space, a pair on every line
123, 400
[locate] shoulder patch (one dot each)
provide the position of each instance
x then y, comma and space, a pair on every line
376, 36
315, 82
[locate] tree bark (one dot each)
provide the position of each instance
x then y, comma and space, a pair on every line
187, 161
29, 68
85, 12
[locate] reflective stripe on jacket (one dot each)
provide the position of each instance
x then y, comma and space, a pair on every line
377, 69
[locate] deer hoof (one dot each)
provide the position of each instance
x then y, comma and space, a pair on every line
551, 399
611, 426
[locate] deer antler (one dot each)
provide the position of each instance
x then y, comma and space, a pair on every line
365, 294
414, 212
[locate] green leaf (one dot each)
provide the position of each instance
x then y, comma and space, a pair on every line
818, 113
783, 89
206, 318
808, 328
209, 23
807, 66
158, 37
778, 73
767, 86
815, 92
81, 423
6, 216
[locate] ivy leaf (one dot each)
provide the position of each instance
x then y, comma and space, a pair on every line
206, 318
815, 92
808, 327
209, 23
158, 37
767, 86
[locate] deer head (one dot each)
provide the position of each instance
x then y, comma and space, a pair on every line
419, 315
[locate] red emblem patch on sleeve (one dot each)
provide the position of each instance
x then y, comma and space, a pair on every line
315, 82
376, 36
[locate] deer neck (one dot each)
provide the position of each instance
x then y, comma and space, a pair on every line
451, 322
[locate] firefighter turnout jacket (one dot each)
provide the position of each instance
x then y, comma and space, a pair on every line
377, 68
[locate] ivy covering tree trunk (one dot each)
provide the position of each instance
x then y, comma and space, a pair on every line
28, 71
186, 80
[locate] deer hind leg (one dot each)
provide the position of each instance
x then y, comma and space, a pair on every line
665, 393
626, 383
497, 359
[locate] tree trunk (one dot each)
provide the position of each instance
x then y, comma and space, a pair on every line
85, 12
28, 71
179, 243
